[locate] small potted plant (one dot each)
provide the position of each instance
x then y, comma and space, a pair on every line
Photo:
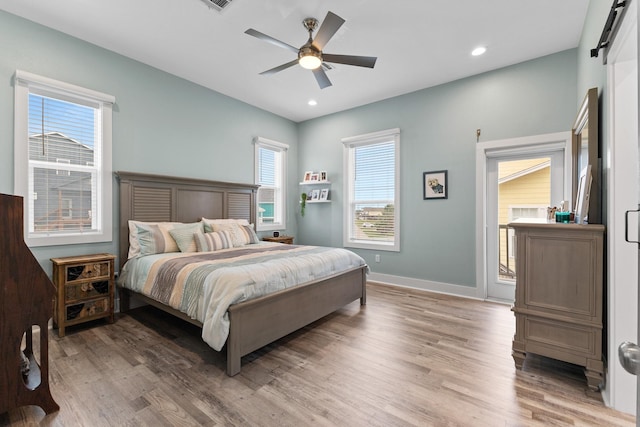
303, 203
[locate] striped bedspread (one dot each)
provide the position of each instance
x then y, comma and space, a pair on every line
204, 284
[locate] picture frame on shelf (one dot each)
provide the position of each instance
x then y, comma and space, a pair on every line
315, 177
323, 175
324, 194
307, 176
315, 195
435, 185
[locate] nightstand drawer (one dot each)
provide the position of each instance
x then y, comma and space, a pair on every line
88, 271
81, 291
83, 310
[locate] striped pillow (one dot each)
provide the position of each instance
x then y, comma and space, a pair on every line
208, 223
134, 243
183, 235
213, 241
250, 234
154, 238
240, 234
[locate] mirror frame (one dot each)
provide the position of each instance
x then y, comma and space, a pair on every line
588, 117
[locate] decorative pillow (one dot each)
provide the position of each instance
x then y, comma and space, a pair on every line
240, 234
213, 241
155, 238
134, 243
183, 235
208, 223
250, 234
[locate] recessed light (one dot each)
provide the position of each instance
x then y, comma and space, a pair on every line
479, 51
312, 102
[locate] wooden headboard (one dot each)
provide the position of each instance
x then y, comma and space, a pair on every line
157, 198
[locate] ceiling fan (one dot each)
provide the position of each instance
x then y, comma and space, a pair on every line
310, 55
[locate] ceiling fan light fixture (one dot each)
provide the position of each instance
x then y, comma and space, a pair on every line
309, 58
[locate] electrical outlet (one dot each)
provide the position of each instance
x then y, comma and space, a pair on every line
377, 257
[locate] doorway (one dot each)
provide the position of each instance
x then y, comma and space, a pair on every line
516, 178
518, 187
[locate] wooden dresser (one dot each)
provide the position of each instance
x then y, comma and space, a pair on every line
559, 294
85, 287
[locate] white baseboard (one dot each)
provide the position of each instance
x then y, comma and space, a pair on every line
425, 285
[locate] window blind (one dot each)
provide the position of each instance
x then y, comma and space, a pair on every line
371, 214
64, 164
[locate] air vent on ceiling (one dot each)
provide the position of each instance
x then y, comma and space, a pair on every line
218, 5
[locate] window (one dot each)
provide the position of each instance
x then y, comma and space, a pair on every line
372, 191
62, 163
270, 172
517, 212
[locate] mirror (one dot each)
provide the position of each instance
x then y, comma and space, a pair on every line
586, 151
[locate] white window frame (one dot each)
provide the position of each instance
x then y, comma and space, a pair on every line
350, 143
25, 83
280, 220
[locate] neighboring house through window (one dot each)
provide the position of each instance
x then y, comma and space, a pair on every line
63, 161
270, 173
372, 191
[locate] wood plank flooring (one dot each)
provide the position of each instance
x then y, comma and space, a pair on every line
409, 358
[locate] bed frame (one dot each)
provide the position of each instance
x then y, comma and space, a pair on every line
255, 323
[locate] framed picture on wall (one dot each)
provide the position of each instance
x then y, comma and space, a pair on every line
435, 185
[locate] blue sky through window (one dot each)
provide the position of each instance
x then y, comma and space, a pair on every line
73, 120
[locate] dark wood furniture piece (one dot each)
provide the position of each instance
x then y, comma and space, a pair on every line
559, 294
85, 287
254, 323
26, 300
287, 240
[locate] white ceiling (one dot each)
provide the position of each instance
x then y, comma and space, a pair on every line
418, 43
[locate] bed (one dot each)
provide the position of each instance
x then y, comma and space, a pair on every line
253, 323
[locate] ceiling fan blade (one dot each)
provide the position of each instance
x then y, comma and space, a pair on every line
358, 61
271, 40
330, 25
321, 78
279, 68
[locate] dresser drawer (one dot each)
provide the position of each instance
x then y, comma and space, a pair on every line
88, 271
86, 290
563, 341
87, 309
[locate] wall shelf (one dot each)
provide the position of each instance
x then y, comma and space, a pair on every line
323, 187
315, 183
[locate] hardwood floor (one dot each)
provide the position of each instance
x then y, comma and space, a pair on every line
407, 358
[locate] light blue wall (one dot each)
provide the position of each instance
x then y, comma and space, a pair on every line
161, 124
438, 131
166, 125
593, 73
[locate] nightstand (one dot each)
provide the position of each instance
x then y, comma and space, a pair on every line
281, 239
85, 289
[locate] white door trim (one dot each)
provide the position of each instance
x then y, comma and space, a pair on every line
484, 150
620, 389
